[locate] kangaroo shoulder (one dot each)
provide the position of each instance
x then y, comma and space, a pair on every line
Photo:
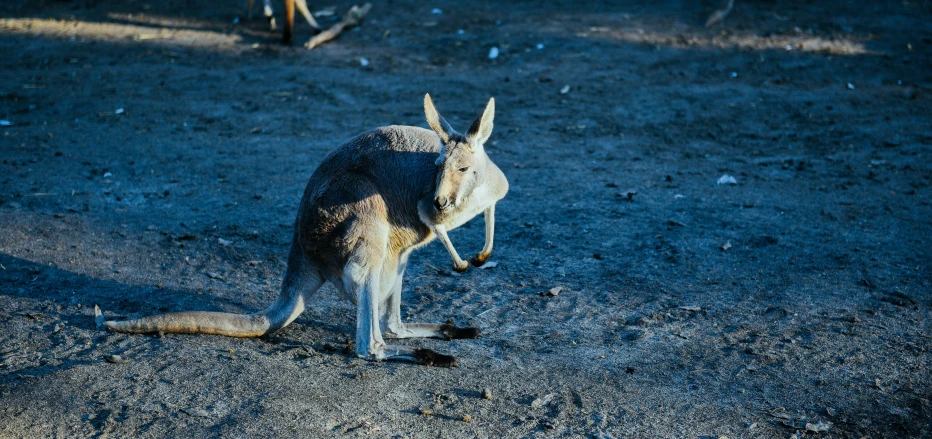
409, 138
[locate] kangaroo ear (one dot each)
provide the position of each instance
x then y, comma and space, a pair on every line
436, 121
481, 129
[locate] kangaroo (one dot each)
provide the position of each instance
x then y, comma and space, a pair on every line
289, 16
370, 203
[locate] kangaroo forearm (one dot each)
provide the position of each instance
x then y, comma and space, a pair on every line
458, 263
489, 231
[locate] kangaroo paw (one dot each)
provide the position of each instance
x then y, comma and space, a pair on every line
453, 331
428, 357
479, 259
461, 268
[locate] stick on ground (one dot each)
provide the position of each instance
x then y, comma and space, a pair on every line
352, 18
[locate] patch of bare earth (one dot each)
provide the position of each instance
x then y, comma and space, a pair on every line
794, 302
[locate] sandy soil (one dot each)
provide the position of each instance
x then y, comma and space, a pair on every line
143, 133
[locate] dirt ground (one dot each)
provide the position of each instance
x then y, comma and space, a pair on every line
156, 153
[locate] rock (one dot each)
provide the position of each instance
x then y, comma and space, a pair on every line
818, 427
116, 359
487, 394
726, 179
196, 412
542, 401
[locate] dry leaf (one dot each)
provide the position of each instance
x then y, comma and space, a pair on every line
98, 317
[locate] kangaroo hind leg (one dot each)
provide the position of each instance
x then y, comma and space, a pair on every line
269, 13
363, 277
396, 328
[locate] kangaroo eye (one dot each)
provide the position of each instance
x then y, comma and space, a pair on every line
464, 169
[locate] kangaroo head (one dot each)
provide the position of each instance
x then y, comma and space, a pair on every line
462, 164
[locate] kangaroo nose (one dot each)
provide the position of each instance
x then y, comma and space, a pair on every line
441, 203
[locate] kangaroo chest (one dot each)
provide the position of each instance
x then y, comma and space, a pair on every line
479, 200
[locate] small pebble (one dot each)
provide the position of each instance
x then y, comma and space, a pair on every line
726, 179
116, 359
487, 394
197, 412
542, 401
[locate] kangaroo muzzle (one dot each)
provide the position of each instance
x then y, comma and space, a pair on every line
442, 203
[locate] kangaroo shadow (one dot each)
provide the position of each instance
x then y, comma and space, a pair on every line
40, 304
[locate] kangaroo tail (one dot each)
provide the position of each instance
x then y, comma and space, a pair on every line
301, 281
289, 305
195, 322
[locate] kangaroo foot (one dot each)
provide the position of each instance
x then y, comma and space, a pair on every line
453, 332
428, 357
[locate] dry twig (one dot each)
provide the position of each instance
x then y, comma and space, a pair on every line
720, 13
352, 18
